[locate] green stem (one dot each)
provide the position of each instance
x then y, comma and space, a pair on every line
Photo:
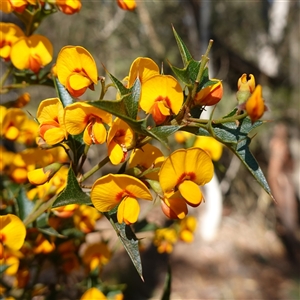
5, 75
103, 88
203, 63
94, 169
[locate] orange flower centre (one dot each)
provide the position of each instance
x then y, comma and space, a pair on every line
35, 63
186, 176
2, 237
119, 136
123, 194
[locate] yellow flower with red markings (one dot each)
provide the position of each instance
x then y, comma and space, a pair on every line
42, 175
187, 228
9, 34
127, 4
180, 176
142, 68
31, 53
50, 115
96, 255
164, 239
12, 232
210, 95
255, 105
120, 190
83, 117
161, 96
68, 7
76, 69
85, 218
120, 137
13, 123
146, 158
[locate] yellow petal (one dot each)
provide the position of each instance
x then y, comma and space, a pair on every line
99, 133
191, 192
12, 231
38, 176
172, 169
177, 206
54, 136
255, 106
77, 81
48, 110
210, 145
115, 153
93, 293
143, 68
21, 62
42, 46
161, 88
128, 211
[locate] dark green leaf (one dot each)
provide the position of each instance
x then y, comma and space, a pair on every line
119, 85
51, 231
132, 100
128, 239
161, 133
62, 93
72, 194
184, 52
167, 288
3, 268
25, 206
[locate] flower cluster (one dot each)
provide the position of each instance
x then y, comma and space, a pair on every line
54, 199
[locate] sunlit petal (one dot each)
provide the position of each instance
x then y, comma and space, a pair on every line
191, 192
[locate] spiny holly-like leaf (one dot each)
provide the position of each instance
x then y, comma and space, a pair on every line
235, 135
62, 93
161, 133
130, 97
128, 239
72, 194
184, 52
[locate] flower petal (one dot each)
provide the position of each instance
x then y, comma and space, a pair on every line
191, 192
128, 211
174, 206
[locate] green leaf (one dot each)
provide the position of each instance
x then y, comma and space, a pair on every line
51, 231
184, 52
3, 268
72, 194
25, 206
62, 93
132, 101
128, 239
119, 85
167, 287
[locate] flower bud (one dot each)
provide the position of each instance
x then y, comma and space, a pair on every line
127, 4
255, 106
245, 88
22, 100
42, 175
210, 95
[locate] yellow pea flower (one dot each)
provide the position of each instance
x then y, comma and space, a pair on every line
164, 239
255, 105
76, 69
161, 96
33, 53
9, 34
96, 255
42, 245
120, 136
50, 115
145, 158
210, 95
42, 175
180, 176
81, 117
93, 293
11, 258
187, 228
142, 68
12, 231
85, 218
123, 190
12, 123
210, 145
